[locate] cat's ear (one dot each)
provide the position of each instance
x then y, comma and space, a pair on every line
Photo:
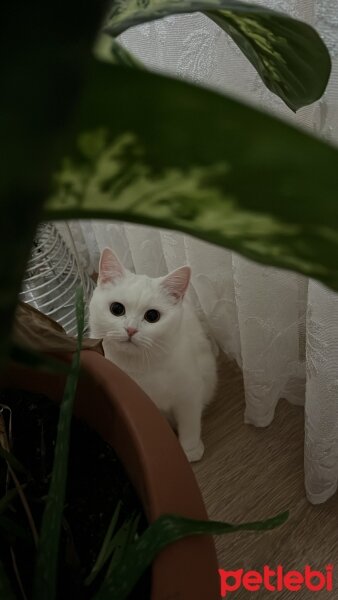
110, 267
176, 283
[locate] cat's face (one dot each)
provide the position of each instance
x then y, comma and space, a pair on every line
135, 312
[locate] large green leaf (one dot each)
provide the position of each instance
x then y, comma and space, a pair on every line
288, 54
45, 581
164, 531
44, 47
154, 150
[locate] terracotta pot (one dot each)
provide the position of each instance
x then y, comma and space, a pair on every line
113, 404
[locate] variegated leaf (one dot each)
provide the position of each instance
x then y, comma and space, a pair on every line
288, 54
155, 150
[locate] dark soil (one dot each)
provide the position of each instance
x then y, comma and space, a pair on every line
96, 482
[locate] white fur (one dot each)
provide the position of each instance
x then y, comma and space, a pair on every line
172, 360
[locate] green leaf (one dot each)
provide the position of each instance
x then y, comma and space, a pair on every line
48, 548
115, 544
189, 159
42, 72
121, 542
289, 55
6, 592
166, 530
104, 553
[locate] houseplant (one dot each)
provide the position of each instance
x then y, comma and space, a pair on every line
127, 420
214, 178
124, 417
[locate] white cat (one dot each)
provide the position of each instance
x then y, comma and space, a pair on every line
151, 332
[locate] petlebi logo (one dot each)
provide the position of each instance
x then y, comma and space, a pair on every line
275, 580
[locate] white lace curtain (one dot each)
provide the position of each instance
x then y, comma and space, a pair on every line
281, 328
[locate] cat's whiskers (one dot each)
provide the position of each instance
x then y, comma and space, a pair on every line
145, 343
161, 345
146, 356
149, 347
114, 335
155, 344
103, 333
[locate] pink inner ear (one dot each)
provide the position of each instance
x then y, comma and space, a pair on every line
176, 283
110, 267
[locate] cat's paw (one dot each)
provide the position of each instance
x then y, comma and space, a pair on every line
196, 453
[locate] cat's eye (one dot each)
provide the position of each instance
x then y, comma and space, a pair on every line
152, 315
117, 309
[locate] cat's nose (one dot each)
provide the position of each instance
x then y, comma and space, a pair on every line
131, 331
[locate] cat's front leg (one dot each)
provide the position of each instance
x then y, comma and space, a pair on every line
188, 416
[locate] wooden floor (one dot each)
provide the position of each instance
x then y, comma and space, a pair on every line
249, 474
